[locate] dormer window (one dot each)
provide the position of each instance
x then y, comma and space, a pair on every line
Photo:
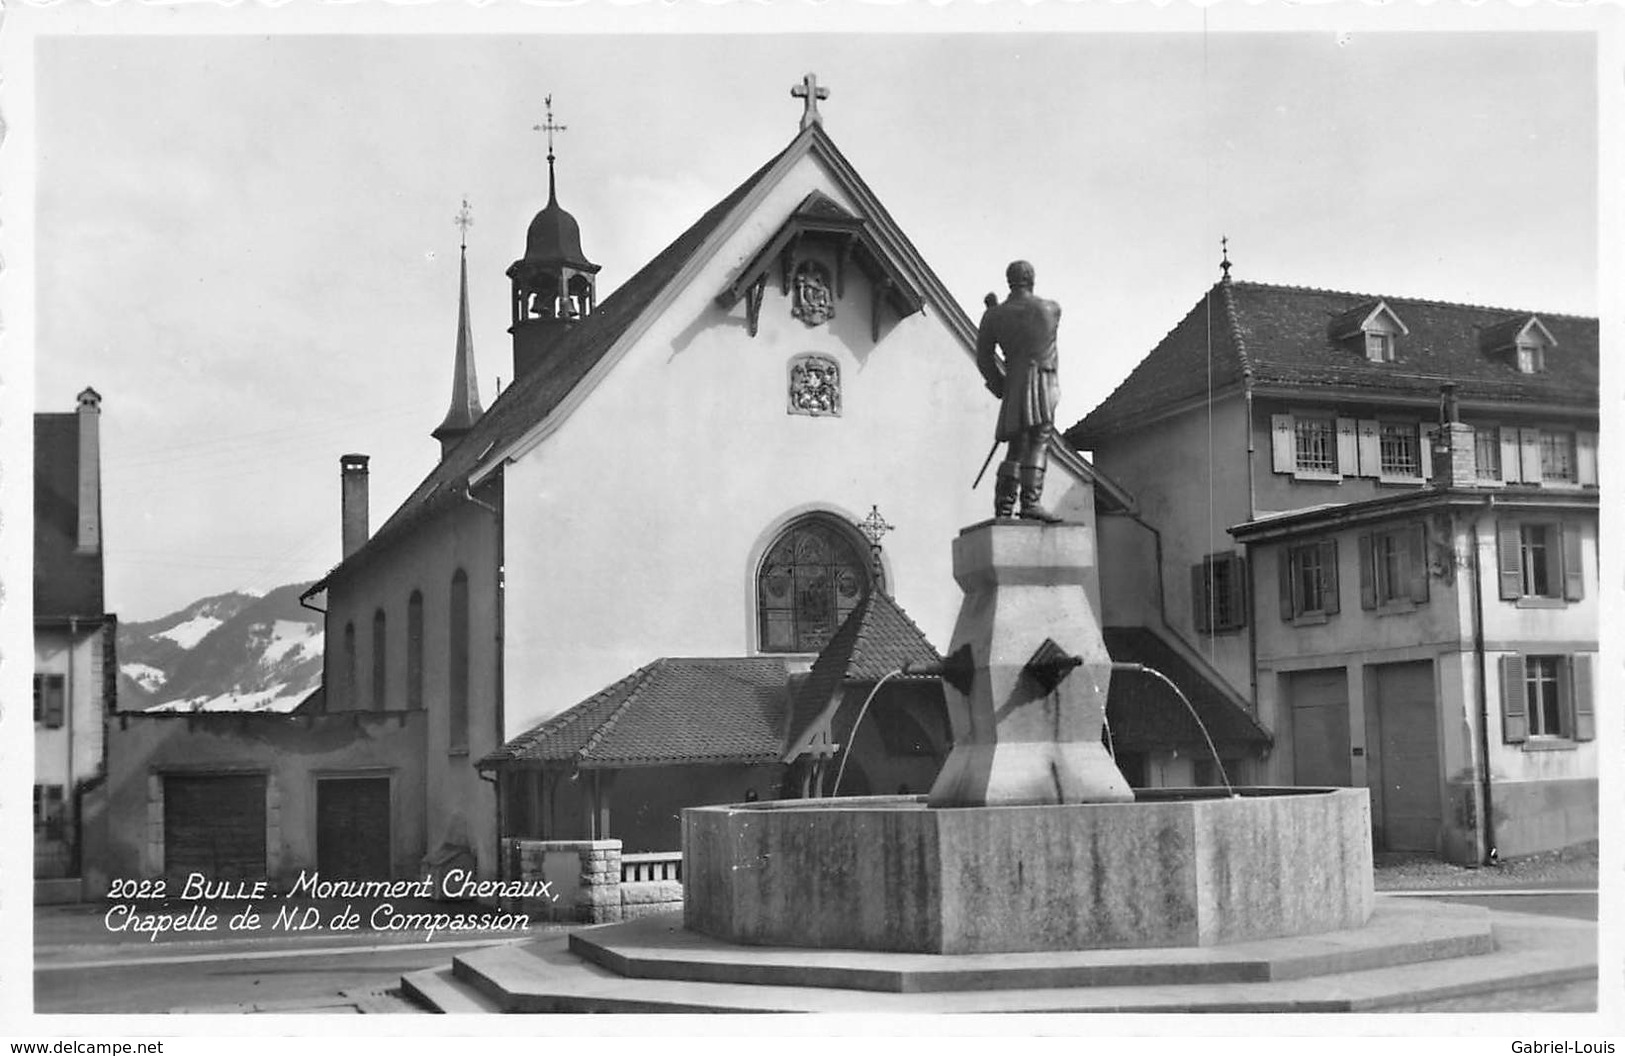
1522, 341
1372, 328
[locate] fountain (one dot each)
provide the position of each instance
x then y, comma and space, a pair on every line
1030, 838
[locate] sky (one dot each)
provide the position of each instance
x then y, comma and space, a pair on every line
246, 244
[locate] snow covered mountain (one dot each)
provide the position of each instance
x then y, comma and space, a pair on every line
230, 652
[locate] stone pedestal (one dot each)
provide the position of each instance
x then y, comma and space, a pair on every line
1028, 699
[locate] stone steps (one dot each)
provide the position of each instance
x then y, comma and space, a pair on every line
1414, 955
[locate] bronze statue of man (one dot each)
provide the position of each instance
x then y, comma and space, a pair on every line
1024, 328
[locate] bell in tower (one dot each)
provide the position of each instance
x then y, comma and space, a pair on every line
554, 284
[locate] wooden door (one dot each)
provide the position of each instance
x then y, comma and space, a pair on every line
215, 825
352, 827
1403, 768
1320, 727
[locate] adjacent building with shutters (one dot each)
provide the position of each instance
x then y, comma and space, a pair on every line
1377, 517
75, 669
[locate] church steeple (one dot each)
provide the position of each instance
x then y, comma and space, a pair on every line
554, 284
465, 387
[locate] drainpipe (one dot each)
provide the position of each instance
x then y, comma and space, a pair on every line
1487, 815
70, 795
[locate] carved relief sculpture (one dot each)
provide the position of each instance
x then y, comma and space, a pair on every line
815, 302
815, 385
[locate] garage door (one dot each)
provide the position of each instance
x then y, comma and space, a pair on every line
215, 825
1407, 808
352, 827
1320, 727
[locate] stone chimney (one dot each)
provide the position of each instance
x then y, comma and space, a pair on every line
90, 471
353, 501
1455, 459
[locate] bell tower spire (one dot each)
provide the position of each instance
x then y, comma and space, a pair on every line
554, 284
465, 387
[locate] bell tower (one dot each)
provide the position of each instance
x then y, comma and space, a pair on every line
554, 284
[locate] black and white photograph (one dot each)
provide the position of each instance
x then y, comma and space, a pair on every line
907, 513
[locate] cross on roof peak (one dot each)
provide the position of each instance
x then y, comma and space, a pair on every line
548, 125
809, 92
464, 221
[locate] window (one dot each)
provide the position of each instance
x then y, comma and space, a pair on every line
380, 662
1546, 698
457, 689
1218, 593
1540, 562
1313, 445
1531, 358
814, 575
50, 698
1557, 457
1487, 452
414, 651
348, 675
1308, 575
1393, 568
1379, 347
1400, 453
49, 813
1315, 441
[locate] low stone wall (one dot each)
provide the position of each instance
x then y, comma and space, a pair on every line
588, 882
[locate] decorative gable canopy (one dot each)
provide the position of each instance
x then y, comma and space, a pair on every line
820, 218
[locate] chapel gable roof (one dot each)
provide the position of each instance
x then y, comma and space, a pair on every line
67, 582
536, 395
877, 638
1283, 336
670, 712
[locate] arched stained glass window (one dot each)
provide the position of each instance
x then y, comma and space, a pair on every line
813, 576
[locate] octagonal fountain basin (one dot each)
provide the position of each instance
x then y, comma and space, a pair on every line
1177, 867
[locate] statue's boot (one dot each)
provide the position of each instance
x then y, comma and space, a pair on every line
1032, 487
1006, 488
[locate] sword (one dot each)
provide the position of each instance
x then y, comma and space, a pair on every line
989, 462
990, 301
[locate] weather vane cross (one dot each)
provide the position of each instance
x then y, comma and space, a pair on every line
549, 126
1224, 253
809, 92
464, 221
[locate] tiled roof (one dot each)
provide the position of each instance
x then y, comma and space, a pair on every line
875, 639
66, 582
1282, 333
669, 712
1144, 714
531, 398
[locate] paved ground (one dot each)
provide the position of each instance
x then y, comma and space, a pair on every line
1572, 867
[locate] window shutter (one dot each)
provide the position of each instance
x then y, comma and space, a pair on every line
1429, 436
1348, 448
1368, 572
1585, 447
1574, 584
1585, 719
1509, 456
1418, 537
1514, 705
1328, 564
39, 701
1510, 560
1529, 463
1238, 582
1199, 598
1370, 450
1286, 583
54, 692
1281, 443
